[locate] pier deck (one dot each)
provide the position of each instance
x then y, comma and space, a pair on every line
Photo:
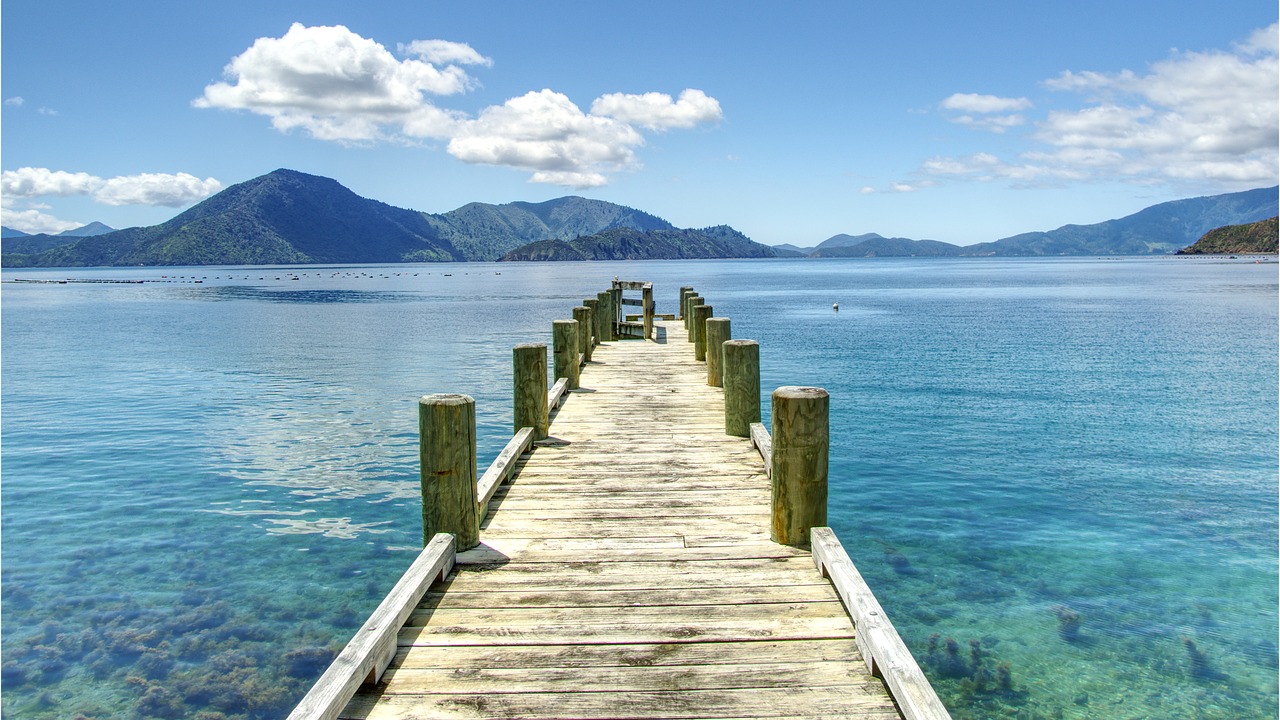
627, 571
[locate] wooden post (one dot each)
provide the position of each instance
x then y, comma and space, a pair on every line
685, 291
594, 304
615, 306
717, 329
700, 315
800, 445
529, 361
693, 302
447, 452
564, 341
741, 386
606, 316
583, 315
646, 304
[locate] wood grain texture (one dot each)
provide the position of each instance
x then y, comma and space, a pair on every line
626, 570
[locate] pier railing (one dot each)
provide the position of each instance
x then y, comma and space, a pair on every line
794, 454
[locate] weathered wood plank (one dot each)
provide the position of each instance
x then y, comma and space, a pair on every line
882, 647
648, 597
860, 701
368, 654
501, 468
630, 655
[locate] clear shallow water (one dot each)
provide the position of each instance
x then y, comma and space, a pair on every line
1073, 463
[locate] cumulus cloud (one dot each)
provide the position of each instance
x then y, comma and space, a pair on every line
657, 111
981, 111
1203, 118
143, 189
548, 134
336, 85
15, 101
975, 103
445, 52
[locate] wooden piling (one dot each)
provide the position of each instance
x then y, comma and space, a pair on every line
564, 342
529, 363
717, 330
594, 304
582, 314
685, 291
605, 325
691, 303
447, 453
800, 446
741, 377
646, 304
700, 315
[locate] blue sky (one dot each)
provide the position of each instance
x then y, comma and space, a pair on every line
792, 122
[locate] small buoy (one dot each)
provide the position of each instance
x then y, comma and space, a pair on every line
835, 306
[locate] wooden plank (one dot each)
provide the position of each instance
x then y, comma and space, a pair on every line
860, 700
764, 444
501, 468
630, 655
882, 647
555, 396
672, 599
430, 681
368, 654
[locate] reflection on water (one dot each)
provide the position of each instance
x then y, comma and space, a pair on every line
1057, 475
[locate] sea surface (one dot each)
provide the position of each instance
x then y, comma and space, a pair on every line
1059, 476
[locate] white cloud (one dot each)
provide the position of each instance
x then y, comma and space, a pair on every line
33, 221
143, 189
445, 52
336, 85
546, 133
1208, 119
156, 189
15, 101
975, 103
28, 182
657, 111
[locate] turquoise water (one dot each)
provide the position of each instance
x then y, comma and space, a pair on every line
1059, 476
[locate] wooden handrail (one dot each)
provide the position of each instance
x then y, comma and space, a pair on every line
764, 443
556, 395
370, 651
500, 469
886, 655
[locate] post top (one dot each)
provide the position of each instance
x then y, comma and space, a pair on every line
717, 319
446, 399
797, 392
531, 346
740, 342
563, 322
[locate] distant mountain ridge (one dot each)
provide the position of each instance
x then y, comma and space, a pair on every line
1156, 230
624, 243
289, 217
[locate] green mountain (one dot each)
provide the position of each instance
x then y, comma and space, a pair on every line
485, 232
288, 217
873, 245
1259, 238
1157, 230
663, 244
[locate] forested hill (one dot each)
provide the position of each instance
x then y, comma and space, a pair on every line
1262, 237
627, 244
289, 217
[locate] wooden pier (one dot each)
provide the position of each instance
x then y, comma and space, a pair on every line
626, 567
